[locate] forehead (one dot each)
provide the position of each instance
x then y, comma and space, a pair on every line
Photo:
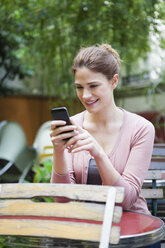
84, 74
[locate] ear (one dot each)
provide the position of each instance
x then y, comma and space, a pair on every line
115, 81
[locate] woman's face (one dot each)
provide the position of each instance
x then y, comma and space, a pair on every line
93, 89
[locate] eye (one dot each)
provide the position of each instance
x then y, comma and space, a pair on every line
93, 86
78, 87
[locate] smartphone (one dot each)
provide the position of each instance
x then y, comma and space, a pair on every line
61, 114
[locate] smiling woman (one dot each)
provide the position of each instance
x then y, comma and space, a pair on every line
108, 145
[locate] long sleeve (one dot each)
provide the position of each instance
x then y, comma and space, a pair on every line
138, 162
66, 178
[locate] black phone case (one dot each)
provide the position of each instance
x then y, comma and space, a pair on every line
61, 114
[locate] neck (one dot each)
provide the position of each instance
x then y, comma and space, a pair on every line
105, 116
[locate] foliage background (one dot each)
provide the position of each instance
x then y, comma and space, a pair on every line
39, 38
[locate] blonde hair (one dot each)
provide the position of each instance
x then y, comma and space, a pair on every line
102, 58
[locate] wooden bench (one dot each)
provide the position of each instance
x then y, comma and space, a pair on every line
152, 194
154, 184
87, 216
158, 161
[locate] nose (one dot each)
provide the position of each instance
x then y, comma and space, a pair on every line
86, 94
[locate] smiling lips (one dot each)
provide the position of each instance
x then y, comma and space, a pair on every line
91, 102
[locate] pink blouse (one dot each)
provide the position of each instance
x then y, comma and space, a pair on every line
130, 156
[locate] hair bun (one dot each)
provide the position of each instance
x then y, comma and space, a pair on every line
109, 48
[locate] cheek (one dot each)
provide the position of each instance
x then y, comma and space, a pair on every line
78, 94
107, 93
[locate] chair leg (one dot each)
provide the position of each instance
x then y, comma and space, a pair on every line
25, 172
154, 201
154, 207
6, 167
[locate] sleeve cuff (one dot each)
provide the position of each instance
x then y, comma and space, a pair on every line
59, 178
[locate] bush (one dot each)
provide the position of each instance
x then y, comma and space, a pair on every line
43, 172
43, 175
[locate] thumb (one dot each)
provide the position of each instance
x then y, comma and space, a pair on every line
79, 129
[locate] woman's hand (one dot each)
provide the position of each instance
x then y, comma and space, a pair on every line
60, 132
83, 140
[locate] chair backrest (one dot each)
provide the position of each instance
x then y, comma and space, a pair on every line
151, 191
155, 177
158, 150
12, 140
13, 145
16, 157
41, 141
158, 157
87, 216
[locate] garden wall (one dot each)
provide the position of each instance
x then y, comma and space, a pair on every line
31, 111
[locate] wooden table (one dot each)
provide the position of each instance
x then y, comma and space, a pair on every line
137, 230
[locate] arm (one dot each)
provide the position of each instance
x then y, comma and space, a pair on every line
60, 173
137, 164
61, 159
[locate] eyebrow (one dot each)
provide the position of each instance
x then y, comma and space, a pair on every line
93, 82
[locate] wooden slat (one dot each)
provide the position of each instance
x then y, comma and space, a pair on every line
117, 214
79, 210
159, 150
72, 191
152, 193
108, 215
158, 159
155, 165
154, 174
54, 229
16, 201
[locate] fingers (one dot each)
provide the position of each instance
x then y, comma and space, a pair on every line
79, 129
55, 124
86, 147
81, 141
77, 138
72, 137
80, 146
80, 134
59, 131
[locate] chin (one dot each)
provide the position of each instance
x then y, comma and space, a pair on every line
93, 110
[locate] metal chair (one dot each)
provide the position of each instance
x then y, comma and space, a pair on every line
16, 157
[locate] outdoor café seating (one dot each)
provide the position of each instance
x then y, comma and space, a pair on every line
88, 216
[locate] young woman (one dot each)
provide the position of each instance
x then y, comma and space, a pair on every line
108, 145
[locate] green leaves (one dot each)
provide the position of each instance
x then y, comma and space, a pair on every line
49, 33
43, 172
